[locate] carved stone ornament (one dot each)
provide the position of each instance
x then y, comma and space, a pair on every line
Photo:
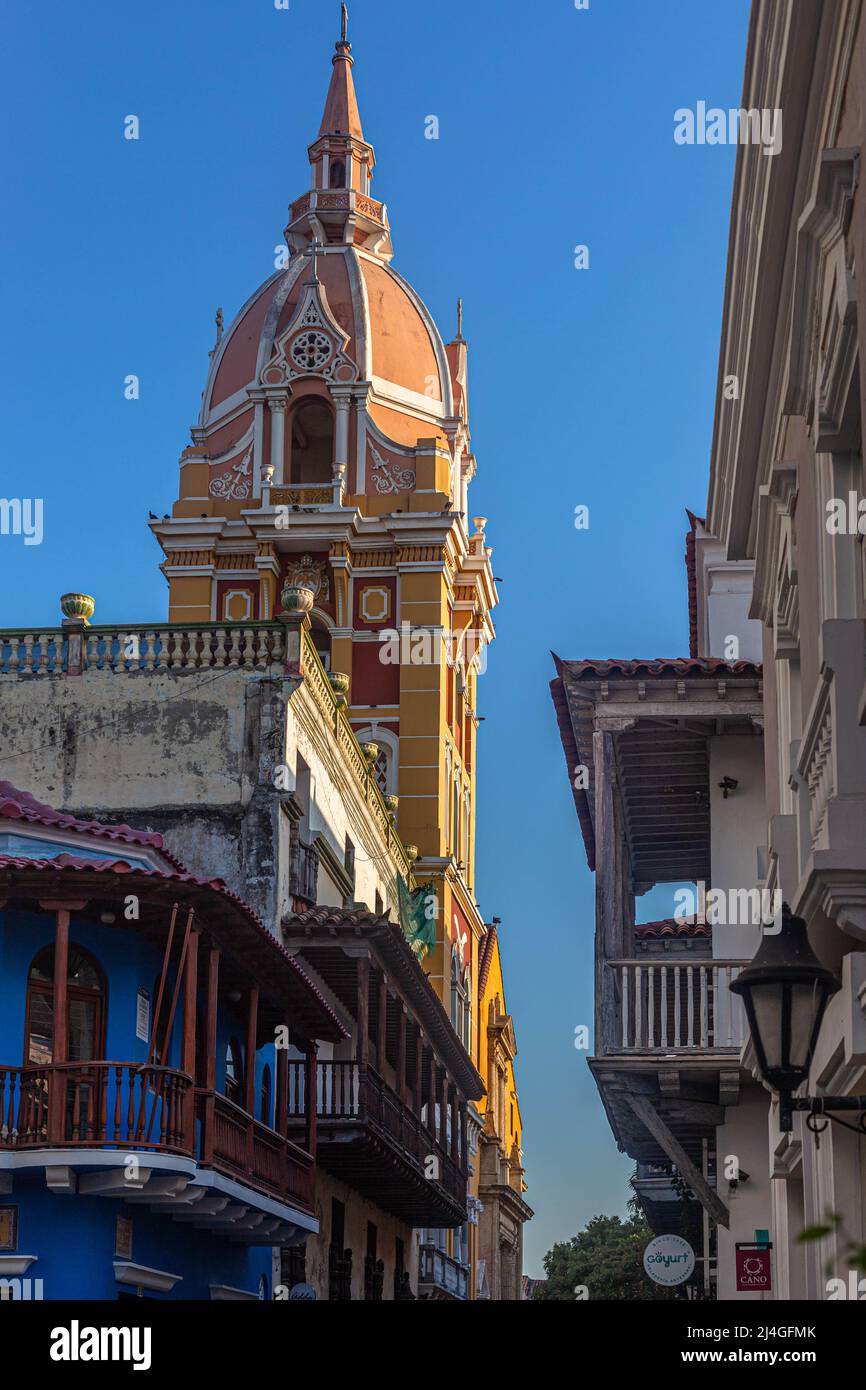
235, 485
313, 344
311, 574
388, 476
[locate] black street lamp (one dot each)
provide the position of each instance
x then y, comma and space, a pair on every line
785, 992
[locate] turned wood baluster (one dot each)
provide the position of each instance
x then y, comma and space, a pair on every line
131, 1127
118, 1079
76, 1108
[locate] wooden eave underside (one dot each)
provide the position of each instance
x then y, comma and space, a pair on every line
369, 1160
660, 731
692, 1114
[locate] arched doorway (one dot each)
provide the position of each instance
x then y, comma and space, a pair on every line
312, 443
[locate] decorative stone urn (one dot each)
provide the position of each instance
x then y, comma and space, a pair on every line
340, 685
77, 608
391, 803
412, 853
370, 751
297, 598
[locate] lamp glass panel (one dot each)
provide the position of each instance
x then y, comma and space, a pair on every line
767, 1007
806, 1002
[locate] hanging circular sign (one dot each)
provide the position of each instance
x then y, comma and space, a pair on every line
669, 1260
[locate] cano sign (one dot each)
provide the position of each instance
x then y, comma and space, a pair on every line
753, 1270
669, 1260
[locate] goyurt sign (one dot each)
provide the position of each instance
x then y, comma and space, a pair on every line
669, 1260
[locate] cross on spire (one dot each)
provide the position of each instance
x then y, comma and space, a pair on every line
344, 34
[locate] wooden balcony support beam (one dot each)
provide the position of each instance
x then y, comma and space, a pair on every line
646, 1112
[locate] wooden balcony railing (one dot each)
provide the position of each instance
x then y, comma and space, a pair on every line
439, 1271
119, 1104
349, 1095
125, 1105
666, 1007
235, 1143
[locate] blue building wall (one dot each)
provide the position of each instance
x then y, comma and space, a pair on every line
129, 963
74, 1236
74, 1239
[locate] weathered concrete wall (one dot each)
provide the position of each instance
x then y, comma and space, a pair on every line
194, 756
188, 755
358, 1212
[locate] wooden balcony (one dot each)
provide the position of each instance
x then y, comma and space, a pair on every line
377, 1143
303, 872
440, 1276
129, 1106
96, 1105
236, 1144
666, 1007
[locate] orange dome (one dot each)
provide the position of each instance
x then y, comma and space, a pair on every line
392, 340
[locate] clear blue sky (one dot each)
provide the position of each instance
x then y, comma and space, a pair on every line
588, 387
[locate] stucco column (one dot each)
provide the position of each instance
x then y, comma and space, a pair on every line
341, 447
278, 437
341, 441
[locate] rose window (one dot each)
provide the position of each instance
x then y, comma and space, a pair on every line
310, 351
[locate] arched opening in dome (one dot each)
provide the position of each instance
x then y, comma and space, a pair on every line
312, 443
337, 174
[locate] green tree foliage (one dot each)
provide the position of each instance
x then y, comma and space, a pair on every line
606, 1258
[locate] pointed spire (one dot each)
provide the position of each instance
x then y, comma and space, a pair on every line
341, 115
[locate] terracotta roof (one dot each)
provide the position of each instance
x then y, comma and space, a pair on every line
393, 946
572, 760
19, 805
691, 571
671, 926
251, 939
678, 666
